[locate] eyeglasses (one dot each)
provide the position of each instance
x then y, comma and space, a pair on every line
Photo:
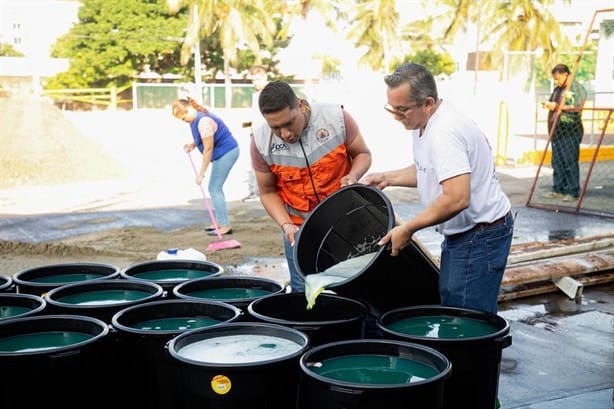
400, 110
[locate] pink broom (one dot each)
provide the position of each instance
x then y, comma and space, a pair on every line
220, 244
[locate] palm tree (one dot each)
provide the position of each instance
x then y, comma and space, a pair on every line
513, 25
524, 25
374, 25
235, 23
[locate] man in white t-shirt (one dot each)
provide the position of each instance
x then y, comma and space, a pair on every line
455, 175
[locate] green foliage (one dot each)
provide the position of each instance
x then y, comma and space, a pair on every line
116, 39
331, 65
437, 63
7, 50
584, 74
266, 57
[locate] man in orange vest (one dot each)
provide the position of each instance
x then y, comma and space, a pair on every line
301, 154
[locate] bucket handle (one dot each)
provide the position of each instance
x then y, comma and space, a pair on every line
504, 341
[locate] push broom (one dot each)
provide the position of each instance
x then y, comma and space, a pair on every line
220, 244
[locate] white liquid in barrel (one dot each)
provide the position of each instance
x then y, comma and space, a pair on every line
316, 283
243, 348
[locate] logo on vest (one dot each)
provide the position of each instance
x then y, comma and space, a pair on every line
322, 135
277, 147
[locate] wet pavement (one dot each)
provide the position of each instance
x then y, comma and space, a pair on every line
531, 225
562, 351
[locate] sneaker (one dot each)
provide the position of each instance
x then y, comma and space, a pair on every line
214, 233
569, 198
553, 195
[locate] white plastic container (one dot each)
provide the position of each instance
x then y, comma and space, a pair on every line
178, 254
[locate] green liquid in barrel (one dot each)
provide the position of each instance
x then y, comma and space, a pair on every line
442, 326
374, 369
65, 278
41, 341
175, 323
103, 297
230, 293
172, 274
12, 310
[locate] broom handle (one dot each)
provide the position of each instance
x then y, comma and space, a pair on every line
217, 230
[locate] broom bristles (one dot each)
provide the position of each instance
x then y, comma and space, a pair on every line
224, 244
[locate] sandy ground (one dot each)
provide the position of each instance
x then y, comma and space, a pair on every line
71, 162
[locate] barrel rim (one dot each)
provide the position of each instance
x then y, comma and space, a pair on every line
42, 304
275, 320
115, 320
237, 328
177, 290
55, 317
19, 280
503, 327
440, 376
125, 272
8, 282
93, 285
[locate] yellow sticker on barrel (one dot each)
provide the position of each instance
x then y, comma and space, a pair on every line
221, 384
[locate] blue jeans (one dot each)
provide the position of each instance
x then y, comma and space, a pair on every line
297, 283
220, 169
472, 266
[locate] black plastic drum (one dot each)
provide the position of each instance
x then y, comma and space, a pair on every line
237, 290
53, 361
372, 373
20, 305
101, 298
41, 279
472, 340
169, 273
142, 332
332, 318
238, 365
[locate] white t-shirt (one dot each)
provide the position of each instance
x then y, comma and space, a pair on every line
452, 144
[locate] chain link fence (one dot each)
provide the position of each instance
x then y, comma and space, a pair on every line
575, 169
216, 96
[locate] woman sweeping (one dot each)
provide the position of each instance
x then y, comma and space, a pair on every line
218, 147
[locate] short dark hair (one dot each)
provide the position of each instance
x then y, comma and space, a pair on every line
560, 69
275, 96
421, 82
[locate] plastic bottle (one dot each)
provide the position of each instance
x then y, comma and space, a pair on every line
178, 254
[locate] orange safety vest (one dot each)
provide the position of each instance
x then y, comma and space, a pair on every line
318, 161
